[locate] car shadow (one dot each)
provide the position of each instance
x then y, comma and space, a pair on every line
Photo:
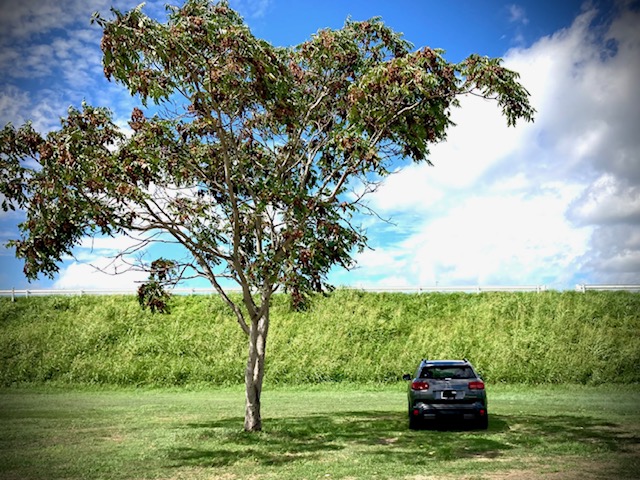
290, 439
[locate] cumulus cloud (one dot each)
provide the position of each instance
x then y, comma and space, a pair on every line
485, 240
98, 264
21, 19
50, 40
42, 108
13, 104
101, 273
539, 203
607, 201
50, 59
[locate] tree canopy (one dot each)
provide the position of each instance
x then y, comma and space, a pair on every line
255, 159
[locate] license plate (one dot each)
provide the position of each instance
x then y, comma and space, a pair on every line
449, 394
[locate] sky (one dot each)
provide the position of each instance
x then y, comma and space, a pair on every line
555, 202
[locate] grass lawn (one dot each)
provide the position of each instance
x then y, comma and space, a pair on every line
350, 432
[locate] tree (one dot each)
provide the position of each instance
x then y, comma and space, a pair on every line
256, 160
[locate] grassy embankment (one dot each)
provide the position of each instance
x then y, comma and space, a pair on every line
314, 432
349, 336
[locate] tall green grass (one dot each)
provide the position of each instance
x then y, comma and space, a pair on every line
351, 336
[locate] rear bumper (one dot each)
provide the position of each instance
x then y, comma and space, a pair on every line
434, 411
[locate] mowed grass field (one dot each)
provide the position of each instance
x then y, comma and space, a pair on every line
315, 432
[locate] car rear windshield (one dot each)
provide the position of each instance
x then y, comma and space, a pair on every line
441, 372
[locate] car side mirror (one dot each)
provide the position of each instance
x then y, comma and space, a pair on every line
407, 377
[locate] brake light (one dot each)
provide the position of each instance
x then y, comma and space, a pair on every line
476, 385
419, 385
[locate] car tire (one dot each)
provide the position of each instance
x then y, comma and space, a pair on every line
483, 422
414, 423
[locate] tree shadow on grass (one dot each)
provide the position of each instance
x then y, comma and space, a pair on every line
386, 435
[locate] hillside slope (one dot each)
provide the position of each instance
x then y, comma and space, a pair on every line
550, 337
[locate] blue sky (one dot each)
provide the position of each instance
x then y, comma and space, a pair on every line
554, 203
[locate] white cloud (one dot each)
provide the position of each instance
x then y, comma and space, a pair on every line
531, 204
92, 276
18, 106
496, 241
13, 103
517, 14
72, 55
478, 142
412, 187
20, 19
606, 201
485, 240
97, 264
50, 59
109, 245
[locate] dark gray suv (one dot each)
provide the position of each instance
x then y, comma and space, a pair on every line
446, 390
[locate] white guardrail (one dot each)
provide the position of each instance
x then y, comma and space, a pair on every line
211, 291
628, 288
13, 293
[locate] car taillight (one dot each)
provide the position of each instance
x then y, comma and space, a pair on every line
476, 385
418, 385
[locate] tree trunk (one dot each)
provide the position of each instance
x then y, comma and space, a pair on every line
254, 373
